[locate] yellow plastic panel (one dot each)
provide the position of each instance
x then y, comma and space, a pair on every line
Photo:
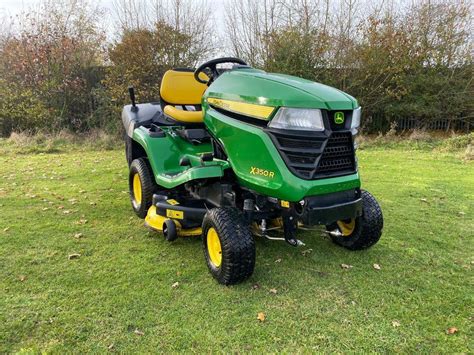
243, 108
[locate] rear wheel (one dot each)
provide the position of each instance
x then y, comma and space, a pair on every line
229, 247
361, 232
141, 186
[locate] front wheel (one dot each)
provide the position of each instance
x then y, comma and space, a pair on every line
141, 186
361, 232
229, 247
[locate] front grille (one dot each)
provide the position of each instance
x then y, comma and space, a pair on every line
317, 156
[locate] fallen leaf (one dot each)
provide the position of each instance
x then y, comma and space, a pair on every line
74, 256
261, 316
278, 260
60, 207
175, 285
307, 251
395, 323
461, 213
92, 203
45, 208
423, 200
377, 267
255, 286
22, 278
451, 330
6, 229
273, 291
66, 212
82, 191
111, 346
138, 332
78, 235
346, 266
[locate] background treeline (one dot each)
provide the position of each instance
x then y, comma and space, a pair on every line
410, 64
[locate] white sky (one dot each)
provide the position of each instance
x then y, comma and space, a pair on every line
14, 7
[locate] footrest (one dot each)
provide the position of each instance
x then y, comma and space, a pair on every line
194, 135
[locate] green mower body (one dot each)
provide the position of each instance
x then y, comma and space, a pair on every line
270, 147
253, 150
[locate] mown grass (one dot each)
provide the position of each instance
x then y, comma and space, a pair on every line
118, 295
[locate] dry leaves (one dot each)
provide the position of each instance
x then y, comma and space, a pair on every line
6, 229
138, 332
22, 278
377, 267
451, 330
278, 260
395, 323
346, 266
74, 256
273, 291
175, 285
255, 286
261, 316
307, 251
424, 200
78, 235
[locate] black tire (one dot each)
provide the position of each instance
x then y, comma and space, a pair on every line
141, 204
368, 227
169, 230
236, 242
128, 149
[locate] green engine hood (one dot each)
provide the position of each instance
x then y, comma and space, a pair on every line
258, 87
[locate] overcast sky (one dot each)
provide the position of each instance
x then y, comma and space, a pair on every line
14, 7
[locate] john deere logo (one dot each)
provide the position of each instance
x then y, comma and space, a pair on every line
339, 117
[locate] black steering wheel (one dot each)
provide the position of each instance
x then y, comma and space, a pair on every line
212, 66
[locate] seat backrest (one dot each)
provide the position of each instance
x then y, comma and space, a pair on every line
178, 87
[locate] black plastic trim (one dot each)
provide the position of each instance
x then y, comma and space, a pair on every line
329, 208
312, 155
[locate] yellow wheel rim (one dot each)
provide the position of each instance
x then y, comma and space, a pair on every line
346, 227
137, 189
214, 247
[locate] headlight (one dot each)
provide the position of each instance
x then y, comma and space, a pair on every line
356, 119
298, 119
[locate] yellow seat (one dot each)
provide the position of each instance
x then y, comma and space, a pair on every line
183, 116
179, 88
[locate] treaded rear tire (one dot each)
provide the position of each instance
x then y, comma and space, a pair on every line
237, 244
368, 228
140, 166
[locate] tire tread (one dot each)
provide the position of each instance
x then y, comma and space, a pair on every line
237, 243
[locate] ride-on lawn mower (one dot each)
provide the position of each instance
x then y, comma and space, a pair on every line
229, 154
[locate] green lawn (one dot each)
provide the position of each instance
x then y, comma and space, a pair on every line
118, 295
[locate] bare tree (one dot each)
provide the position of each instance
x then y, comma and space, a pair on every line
187, 17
